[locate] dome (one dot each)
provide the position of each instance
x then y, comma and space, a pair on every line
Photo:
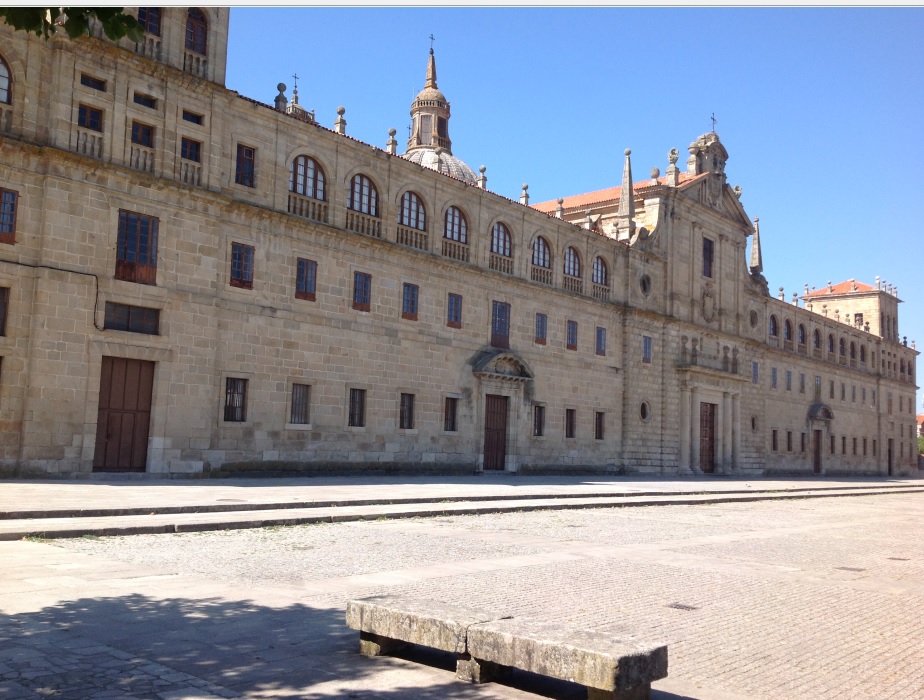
431, 94
442, 161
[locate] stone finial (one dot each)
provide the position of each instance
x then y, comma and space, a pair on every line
482, 178
340, 123
560, 209
391, 146
914, 347
809, 305
281, 102
905, 341
672, 156
626, 211
837, 315
877, 282
781, 295
824, 310
853, 285
795, 299
655, 174
588, 220
524, 195
866, 326
830, 287
693, 161
673, 172
738, 191
757, 258
806, 289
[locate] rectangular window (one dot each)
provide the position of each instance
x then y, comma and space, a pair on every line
500, 325
833, 449
789, 441
245, 170
235, 400
149, 19
134, 319
755, 372
843, 391
8, 202
854, 445
542, 324
136, 248
853, 393
357, 417
242, 265
843, 444
788, 380
306, 274
599, 424
864, 447
708, 254
646, 349
4, 308
192, 117
874, 447
773, 445
572, 335
145, 100
362, 291
406, 417
801, 383
773, 377
91, 82
538, 420
570, 422
190, 150
858, 320
409, 302
831, 388
601, 341
802, 441
90, 118
454, 311
142, 134
299, 413
450, 414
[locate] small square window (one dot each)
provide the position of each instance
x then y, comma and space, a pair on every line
406, 417
538, 420
142, 134
245, 170
454, 311
572, 335
191, 150
242, 265
646, 349
145, 100
450, 414
91, 82
599, 424
362, 291
601, 341
9, 200
300, 410
192, 117
542, 324
357, 415
305, 278
90, 118
570, 422
409, 301
235, 400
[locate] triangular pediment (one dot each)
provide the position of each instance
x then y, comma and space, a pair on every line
502, 364
719, 197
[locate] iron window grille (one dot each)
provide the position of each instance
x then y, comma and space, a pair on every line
538, 420
450, 414
235, 400
406, 418
357, 416
299, 412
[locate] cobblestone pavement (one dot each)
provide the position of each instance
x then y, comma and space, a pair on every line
776, 599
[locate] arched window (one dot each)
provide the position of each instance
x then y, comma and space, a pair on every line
853, 351
413, 214
863, 354
364, 198
842, 347
801, 335
500, 240
787, 330
830, 342
307, 178
816, 339
149, 19
455, 228
5, 91
541, 256
601, 274
572, 262
774, 327
197, 29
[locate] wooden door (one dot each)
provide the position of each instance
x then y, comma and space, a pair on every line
495, 431
890, 456
707, 413
816, 452
124, 416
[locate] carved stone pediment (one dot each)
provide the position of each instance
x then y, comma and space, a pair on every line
820, 411
502, 364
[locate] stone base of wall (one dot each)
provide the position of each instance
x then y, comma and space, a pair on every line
273, 468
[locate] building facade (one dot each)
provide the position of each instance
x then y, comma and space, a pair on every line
191, 279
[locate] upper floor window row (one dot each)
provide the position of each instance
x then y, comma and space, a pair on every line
307, 178
149, 19
197, 29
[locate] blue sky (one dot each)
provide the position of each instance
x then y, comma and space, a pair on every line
820, 109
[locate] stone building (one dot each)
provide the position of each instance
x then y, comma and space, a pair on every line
191, 279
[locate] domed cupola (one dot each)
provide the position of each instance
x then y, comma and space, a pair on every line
430, 145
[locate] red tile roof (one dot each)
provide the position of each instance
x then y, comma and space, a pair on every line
610, 194
841, 288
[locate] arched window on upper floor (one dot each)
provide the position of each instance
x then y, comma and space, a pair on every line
363, 198
306, 178
816, 339
6, 92
853, 350
541, 255
902, 366
787, 330
197, 31
863, 354
774, 327
830, 342
601, 274
500, 240
149, 19
412, 213
801, 336
455, 227
572, 262
842, 347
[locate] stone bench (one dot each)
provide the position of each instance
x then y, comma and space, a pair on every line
487, 645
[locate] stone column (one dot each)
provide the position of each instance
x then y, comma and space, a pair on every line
683, 465
736, 432
726, 432
695, 437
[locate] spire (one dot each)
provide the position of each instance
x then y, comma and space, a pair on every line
757, 259
626, 213
431, 71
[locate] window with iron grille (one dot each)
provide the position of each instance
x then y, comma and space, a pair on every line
500, 325
242, 265
542, 327
133, 319
145, 100
450, 414
91, 82
409, 301
708, 253
136, 248
307, 178
570, 420
412, 213
90, 118
8, 203
363, 198
357, 416
601, 341
197, 29
455, 227
245, 172
235, 400
406, 417
599, 424
572, 335
646, 349
149, 19
306, 275
142, 134
362, 291
454, 311
4, 308
299, 413
500, 240
538, 420
190, 150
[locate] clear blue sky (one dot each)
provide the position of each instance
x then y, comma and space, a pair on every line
820, 109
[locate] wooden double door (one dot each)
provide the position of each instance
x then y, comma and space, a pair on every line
707, 425
124, 418
495, 431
